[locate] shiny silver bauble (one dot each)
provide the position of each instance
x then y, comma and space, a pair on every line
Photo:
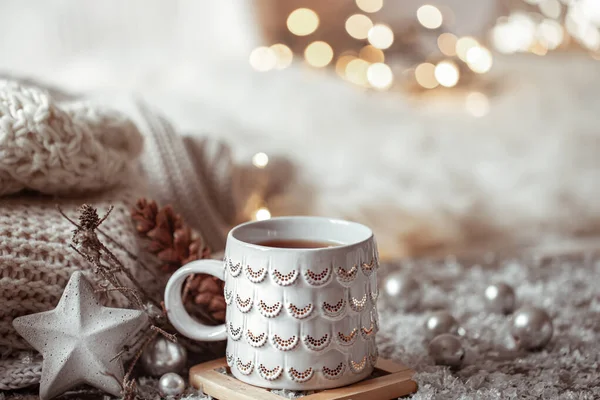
402, 292
446, 349
440, 322
500, 298
162, 356
171, 384
531, 327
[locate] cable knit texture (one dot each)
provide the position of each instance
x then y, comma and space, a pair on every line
74, 149
61, 148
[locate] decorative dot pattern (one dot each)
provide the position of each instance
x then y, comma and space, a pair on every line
234, 269
244, 368
298, 376
358, 305
367, 269
317, 344
284, 344
334, 373
243, 305
367, 332
285, 279
317, 279
228, 296
358, 367
229, 357
269, 374
347, 340
335, 309
345, 275
255, 276
235, 333
269, 311
256, 340
300, 313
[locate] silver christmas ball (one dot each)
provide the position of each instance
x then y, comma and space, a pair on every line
162, 356
440, 322
171, 384
402, 292
500, 298
531, 327
446, 349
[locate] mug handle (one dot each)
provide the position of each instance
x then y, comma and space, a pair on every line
176, 312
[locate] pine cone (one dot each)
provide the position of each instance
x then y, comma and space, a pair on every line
175, 244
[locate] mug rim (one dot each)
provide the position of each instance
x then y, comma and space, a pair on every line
367, 233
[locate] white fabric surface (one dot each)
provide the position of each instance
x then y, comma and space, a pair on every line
422, 174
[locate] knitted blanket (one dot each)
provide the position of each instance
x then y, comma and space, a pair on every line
55, 153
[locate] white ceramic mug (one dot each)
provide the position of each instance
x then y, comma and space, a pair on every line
297, 318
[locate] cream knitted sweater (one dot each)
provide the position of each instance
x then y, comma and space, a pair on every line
53, 153
60, 150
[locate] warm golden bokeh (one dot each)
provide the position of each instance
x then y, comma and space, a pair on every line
303, 21
318, 54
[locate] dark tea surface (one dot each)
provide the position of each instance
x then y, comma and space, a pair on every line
296, 244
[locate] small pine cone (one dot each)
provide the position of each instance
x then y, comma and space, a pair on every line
206, 292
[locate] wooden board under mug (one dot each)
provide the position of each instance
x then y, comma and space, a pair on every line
390, 380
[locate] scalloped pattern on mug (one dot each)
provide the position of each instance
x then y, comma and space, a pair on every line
235, 333
358, 367
300, 313
229, 357
228, 296
243, 305
346, 275
300, 376
285, 279
334, 373
234, 269
374, 295
270, 311
347, 340
373, 356
256, 340
317, 279
367, 332
317, 344
368, 269
255, 276
358, 304
334, 310
244, 368
284, 344
269, 374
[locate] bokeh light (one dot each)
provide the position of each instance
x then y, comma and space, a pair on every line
447, 44
358, 26
356, 71
341, 64
429, 16
381, 36
477, 104
262, 213
463, 45
380, 76
369, 6
550, 33
318, 54
283, 55
260, 160
425, 75
263, 59
446, 73
551, 8
371, 54
479, 59
303, 21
